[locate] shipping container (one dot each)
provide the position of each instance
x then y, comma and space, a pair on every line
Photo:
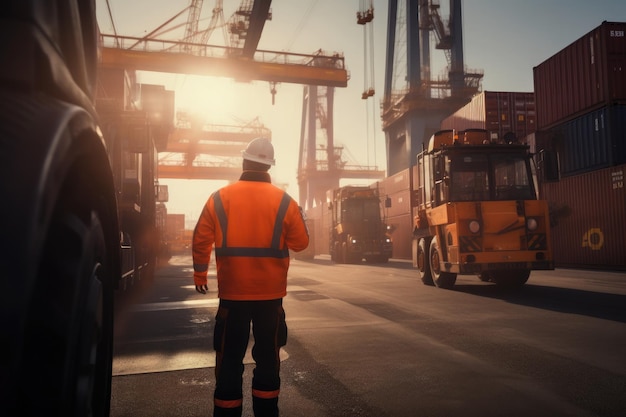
400, 203
499, 112
175, 226
318, 222
589, 219
393, 183
588, 74
591, 141
402, 235
398, 216
115, 90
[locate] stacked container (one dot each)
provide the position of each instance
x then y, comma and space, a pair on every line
589, 219
501, 113
580, 95
587, 75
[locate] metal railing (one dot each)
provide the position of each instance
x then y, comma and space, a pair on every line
130, 43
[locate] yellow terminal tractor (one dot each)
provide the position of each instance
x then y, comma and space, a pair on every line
475, 209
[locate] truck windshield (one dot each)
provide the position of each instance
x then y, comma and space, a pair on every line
480, 177
511, 178
469, 179
360, 210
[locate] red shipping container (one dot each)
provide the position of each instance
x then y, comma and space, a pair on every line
590, 230
587, 74
498, 112
394, 183
401, 236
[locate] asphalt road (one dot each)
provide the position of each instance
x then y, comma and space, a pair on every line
374, 341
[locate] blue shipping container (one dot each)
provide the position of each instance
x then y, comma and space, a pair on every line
592, 141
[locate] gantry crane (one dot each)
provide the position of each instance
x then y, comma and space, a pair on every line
414, 103
196, 150
244, 63
241, 60
321, 165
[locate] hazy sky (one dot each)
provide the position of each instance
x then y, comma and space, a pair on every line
504, 38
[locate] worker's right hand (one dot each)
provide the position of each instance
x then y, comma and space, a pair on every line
202, 289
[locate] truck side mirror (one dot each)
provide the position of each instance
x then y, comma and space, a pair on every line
550, 165
388, 202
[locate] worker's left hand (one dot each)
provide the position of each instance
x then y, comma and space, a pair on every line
202, 289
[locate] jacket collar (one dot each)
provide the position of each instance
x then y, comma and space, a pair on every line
255, 176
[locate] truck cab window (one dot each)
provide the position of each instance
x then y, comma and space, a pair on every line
512, 178
469, 178
361, 211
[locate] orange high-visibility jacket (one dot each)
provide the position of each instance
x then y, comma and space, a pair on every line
253, 225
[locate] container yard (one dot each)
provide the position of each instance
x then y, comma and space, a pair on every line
577, 116
466, 189
580, 94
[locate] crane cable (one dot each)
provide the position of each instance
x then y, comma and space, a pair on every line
371, 90
303, 20
365, 16
112, 23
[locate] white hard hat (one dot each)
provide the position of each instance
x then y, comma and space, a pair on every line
260, 150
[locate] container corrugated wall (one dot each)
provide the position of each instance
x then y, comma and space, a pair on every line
393, 184
498, 112
592, 141
590, 213
401, 236
396, 188
589, 73
319, 222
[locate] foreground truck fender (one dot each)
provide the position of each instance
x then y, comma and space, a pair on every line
59, 261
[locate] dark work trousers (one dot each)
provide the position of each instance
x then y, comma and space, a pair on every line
230, 341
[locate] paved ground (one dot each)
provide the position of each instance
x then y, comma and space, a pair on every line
374, 341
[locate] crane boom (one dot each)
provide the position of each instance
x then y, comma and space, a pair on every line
260, 11
313, 69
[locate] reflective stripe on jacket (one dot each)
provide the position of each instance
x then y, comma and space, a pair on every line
253, 225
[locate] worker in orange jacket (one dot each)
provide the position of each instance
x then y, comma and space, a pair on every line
253, 225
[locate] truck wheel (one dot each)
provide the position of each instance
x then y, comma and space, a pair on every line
423, 262
68, 347
440, 278
485, 276
511, 279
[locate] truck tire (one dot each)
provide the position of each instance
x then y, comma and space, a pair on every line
69, 337
485, 276
441, 279
423, 261
64, 260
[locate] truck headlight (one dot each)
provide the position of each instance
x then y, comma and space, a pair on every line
353, 240
474, 226
531, 224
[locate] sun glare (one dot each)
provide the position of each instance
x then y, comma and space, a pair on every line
213, 99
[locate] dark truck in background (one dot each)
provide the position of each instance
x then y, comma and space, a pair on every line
358, 229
